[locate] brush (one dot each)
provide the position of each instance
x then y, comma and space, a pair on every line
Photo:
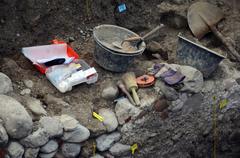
130, 81
124, 90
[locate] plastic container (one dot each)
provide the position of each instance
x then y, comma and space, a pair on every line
64, 77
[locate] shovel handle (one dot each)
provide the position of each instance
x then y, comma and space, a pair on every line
227, 43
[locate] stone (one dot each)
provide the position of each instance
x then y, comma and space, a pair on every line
52, 100
161, 104
49, 155
229, 83
87, 148
28, 83
110, 91
50, 147
125, 110
15, 150
104, 142
97, 156
31, 153
154, 47
36, 139
70, 150
6, 84
80, 134
35, 106
26, 91
52, 126
119, 149
69, 123
3, 136
193, 81
170, 93
110, 120
16, 120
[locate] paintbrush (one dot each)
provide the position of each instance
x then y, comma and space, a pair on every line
124, 90
130, 82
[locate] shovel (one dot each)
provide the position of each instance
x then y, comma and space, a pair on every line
202, 18
137, 40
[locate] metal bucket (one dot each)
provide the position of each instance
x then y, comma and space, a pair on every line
109, 57
197, 56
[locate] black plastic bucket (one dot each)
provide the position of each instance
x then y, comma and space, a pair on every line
106, 55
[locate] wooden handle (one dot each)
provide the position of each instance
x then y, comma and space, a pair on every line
227, 43
124, 90
135, 96
152, 32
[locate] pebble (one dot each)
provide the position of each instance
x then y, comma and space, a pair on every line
31, 153
125, 110
119, 149
15, 150
28, 83
50, 155
3, 136
110, 91
70, 150
52, 126
97, 156
36, 139
35, 106
50, 147
69, 123
110, 120
6, 84
17, 121
80, 134
104, 142
26, 91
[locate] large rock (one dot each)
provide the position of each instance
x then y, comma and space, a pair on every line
110, 120
15, 150
17, 121
71, 150
36, 139
125, 110
104, 142
50, 147
35, 106
5, 84
52, 126
110, 91
31, 153
80, 134
52, 100
69, 123
193, 81
170, 93
119, 149
3, 136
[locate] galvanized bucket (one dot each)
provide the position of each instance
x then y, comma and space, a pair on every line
197, 56
109, 57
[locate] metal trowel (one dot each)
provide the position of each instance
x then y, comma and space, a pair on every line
135, 40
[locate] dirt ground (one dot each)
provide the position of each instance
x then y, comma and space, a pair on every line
36, 22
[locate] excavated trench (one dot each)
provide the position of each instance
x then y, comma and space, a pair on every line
193, 125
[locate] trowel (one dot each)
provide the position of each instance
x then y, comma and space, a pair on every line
203, 18
135, 40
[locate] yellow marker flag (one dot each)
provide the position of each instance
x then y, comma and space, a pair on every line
133, 148
223, 103
97, 116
